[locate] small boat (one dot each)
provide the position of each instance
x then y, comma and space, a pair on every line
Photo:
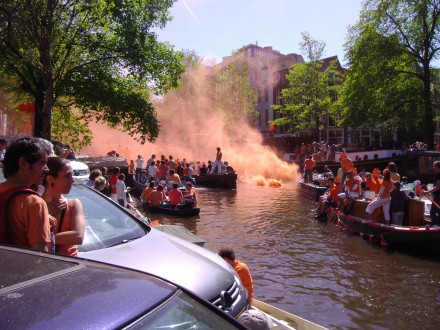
139, 187
284, 320
215, 180
315, 189
416, 233
179, 212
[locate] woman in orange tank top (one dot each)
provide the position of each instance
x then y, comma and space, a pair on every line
69, 229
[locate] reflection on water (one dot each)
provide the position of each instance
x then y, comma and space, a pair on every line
314, 269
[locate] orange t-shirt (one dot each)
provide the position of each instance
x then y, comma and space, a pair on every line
309, 164
353, 186
28, 221
155, 198
388, 187
67, 250
245, 276
334, 193
372, 185
147, 193
346, 164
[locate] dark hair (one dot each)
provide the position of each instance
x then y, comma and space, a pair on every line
116, 170
175, 185
404, 178
392, 167
94, 174
386, 175
160, 188
151, 184
55, 165
121, 176
172, 172
227, 253
31, 148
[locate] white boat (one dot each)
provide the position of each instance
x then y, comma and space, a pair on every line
284, 320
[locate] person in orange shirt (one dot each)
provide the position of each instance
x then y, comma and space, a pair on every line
156, 197
376, 174
383, 198
370, 184
346, 165
352, 191
309, 165
242, 270
146, 193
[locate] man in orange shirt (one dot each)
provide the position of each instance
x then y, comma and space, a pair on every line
352, 191
156, 197
242, 270
145, 196
309, 166
371, 184
346, 165
28, 217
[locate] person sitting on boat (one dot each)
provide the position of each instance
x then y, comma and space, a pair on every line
242, 270
377, 178
383, 198
203, 170
418, 187
392, 167
156, 198
209, 167
163, 171
320, 210
190, 195
327, 170
352, 191
143, 178
346, 165
187, 172
228, 168
175, 196
174, 177
309, 166
397, 205
146, 193
370, 184
333, 200
218, 162
92, 177
435, 210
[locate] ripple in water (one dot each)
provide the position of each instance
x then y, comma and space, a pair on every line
314, 269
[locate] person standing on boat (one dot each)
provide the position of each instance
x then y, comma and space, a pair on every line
218, 161
242, 270
139, 166
309, 166
152, 159
383, 198
397, 206
346, 165
392, 167
435, 211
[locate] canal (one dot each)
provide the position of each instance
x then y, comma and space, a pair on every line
314, 269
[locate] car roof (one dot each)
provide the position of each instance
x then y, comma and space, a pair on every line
40, 290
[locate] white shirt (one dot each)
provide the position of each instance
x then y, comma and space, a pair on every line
121, 190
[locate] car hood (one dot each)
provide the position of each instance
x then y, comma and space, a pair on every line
173, 259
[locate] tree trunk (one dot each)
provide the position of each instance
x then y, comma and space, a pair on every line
428, 118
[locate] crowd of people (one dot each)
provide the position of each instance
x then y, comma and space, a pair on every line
386, 191
39, 216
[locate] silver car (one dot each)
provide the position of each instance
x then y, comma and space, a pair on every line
115, 236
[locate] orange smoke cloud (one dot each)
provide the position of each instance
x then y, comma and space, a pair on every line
190, 130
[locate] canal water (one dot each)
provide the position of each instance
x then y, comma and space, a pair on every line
314, 269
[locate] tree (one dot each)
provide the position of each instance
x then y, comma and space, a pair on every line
231, 92
312, 91
100, 56
381, 86
415, 26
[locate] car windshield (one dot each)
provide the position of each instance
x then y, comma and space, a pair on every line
182, 313
107, 224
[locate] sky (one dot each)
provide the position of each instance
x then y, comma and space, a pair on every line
216, 28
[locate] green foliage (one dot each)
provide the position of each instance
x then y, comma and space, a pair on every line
391, 50
77, 136
313, 89
381, 85
101, 54
232, 95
